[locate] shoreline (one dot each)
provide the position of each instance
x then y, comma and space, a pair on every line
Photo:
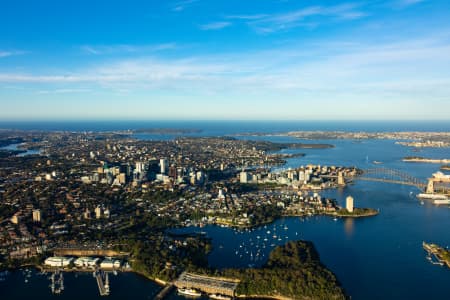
161, 283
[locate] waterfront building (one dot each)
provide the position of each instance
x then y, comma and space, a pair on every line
244, 177
83, 262
341, 180
58, 261
109, 263
349, 204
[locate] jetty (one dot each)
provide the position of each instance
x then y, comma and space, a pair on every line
165, 291
103, 287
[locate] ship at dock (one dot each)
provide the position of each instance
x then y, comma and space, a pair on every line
189, 292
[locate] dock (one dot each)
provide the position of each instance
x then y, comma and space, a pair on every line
165, 291
102, 287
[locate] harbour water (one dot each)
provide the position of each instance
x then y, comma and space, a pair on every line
374, 258
14, 147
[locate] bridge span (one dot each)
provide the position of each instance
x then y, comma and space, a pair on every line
389, 176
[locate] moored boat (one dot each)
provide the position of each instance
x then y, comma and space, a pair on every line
189, 292
219, 297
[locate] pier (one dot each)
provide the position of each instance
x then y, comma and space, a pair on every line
103, 288
165, 291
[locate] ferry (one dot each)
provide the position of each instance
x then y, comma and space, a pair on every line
432, 196
219, 297
189, 292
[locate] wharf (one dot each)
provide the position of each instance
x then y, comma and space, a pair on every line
165, 291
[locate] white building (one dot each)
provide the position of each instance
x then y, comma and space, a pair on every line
140, 167
98, 212
58, 261
243, 177
164, 165
109, 263
349, 204
36, 215
86, 262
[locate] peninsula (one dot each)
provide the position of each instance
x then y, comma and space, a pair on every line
419, 159
441, 255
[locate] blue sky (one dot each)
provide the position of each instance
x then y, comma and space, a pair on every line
227, 59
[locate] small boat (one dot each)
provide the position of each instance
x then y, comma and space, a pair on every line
335, 219
219, 297
189, 292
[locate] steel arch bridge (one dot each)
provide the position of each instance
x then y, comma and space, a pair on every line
389, 176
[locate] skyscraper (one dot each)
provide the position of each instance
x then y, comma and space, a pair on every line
349, 204
37, 215
164, 164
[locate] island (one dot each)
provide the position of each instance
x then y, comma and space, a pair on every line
440, 254
419, 159
357, 212
445, 168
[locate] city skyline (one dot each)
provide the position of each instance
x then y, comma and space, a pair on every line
208, 60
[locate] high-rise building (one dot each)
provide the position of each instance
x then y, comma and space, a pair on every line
349, 204
37, 215
221, 194
164, 165
341, 180
140, 167
98, 212
173, 172
200, 177
87, 214
244, 177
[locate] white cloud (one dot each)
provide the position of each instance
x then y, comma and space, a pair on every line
182, 5
215, 25
63, 91
114, 49
11, 53
246, 17
405, 3
403, 70
307, 16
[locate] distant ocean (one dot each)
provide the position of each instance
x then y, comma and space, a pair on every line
217, 128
